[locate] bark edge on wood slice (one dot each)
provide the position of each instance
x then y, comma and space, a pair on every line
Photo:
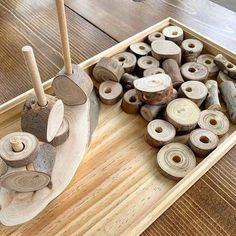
192, 48
174, 34
208, 61
155, 36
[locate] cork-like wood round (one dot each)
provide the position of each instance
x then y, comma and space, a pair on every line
174, 33
208, 61
153, 71
140, 49
146, 62
191, 48
155, 36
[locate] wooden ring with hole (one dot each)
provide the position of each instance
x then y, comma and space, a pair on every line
173, 33
155, 36
208, 61
191, 48
146, 62
140, 49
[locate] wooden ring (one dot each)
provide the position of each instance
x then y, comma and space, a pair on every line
173, 33
192, 48
155, 36
147, 62
153, 71
208, 61
140, 49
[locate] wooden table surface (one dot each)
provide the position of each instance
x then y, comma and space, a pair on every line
209, 207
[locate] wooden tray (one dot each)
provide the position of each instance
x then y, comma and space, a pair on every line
117, 190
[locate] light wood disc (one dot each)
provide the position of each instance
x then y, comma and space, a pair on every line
214, 121
153, 71
155, 36
140, 49
147, 62
192, 48
176, 160
208, 61
174, 33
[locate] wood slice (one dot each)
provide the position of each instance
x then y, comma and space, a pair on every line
146, 62
196, 91
108, 69
172, 69
127, 60
226, 66
110, 92
215, 121
212, 101
159, 133
155, 89
191, 48
3, 167
140, 49
175, 160
194, 71
181, 139
165, 49
174, 33
127, 81
222, 77
153, 71
155, 36
73, 89
19, 158
43, 122
183, 114
151, 112
208, 61
130, 102
202, 142
228, 92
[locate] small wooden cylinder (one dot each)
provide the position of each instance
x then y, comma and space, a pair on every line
146, 62
191, 48
208, 61
127, 81
153, 71
155, 36
140, 49
174, 33
151, 112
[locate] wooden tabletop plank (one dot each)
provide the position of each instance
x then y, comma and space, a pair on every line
122, 19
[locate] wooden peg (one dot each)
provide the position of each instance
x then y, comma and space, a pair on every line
175, 160
202, 142
183, 114
173, 33
108, 69
153, 71
194, 71
225, 66
196, 91
127, 81
228, 92
165, 49
155, 36
110, 92
130, 102
208, 61
212, 101
140, 49
215, 121
127, 60
172, 69
3, 167
222, 77
159, 133
146, 62
151, 112
191, 48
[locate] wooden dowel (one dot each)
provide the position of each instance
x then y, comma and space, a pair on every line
64, 35
34, 74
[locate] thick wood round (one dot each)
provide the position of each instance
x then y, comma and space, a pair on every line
174, 33
222, 77
208, 61
108, 69
202, 142
127, 81
194, 71
151, 112
191, 49
146, 62
153, 71
3, 167
183, 114
130, 102
196, 91
165, 49
214, 121
140, 49
127, 60
212, 101
159, 133
176, 160
155, 36
21, 158
110, 92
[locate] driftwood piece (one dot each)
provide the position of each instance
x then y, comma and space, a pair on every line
191, 48
208, 61
110, 92
159, 133
222, 77
165, 49
3, 167
127, 81
150, 112
153, 71
226, 66
175, 160
173, 33
155, 36
140, 49
196, 91
202, 142
146, 62
212, 101
172, 69
228, 92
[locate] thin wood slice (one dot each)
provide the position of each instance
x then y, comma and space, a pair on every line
176, 160
127, 81
151, 112
222, 77
153, 71
174, 33
146, 62
155, 36
208, 61
140, 49
3, 167
192, 48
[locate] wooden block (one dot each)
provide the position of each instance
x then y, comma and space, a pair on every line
173, 33
172, 69
155, 36
215, 121
165, 49
130, 102
110, 92
196, 91
153, 71
151, 112
191, 49
127, 60
225, 66
208, 61
194, 71
183, 114
3, 167
228, 92
127, 81
108, 69
222, 77
175, 160
140, 49
202, 142
146, 62
159, 133
155, 89
19, 149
